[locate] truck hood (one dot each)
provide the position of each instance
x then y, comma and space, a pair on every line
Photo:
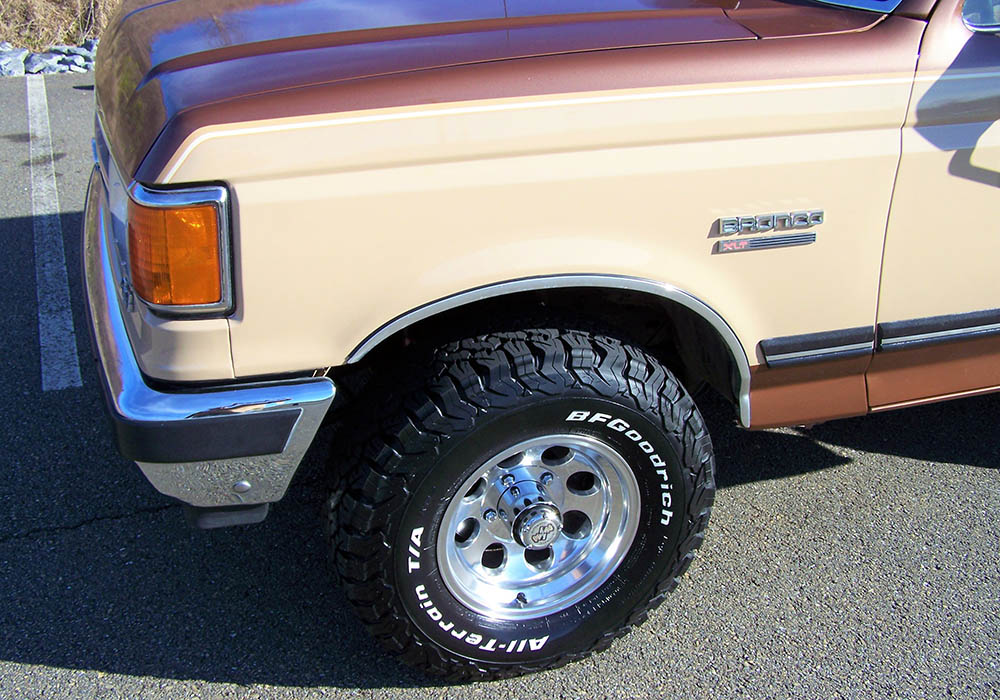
161, 62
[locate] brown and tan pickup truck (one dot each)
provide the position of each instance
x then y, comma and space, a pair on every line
497, 243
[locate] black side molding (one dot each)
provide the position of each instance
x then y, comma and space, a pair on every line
818, 347
932, 330
895, 335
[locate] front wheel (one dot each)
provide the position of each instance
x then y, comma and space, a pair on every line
531, 502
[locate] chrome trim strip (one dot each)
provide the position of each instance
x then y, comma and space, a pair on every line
938, 336
529, 284
207, 483
803, 354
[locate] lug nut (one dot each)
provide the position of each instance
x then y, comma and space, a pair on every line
490, 515
504, 516
507, 480
546, 479
521, 599
515, 492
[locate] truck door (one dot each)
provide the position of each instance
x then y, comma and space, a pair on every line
939, 301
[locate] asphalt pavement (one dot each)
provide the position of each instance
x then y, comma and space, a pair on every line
860, 558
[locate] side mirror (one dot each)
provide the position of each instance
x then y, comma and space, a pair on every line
982, 15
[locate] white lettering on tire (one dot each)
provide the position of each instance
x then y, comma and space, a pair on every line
413, 563
622, 426
473, 638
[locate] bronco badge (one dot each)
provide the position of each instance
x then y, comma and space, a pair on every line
764, 223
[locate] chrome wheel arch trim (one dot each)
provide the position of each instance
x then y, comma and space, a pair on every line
530, 284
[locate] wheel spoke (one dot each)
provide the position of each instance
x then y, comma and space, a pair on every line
466, 509
562, 549
517, 569
592, 505
472, 551
532, 457
576, 463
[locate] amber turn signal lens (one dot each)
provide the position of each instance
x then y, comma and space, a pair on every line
174, 254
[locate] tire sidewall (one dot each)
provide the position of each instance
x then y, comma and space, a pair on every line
653, 453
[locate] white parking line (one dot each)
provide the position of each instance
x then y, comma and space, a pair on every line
56, 337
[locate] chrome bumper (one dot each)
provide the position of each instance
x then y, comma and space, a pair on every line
226, 446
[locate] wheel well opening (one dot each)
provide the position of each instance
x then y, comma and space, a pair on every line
680, 338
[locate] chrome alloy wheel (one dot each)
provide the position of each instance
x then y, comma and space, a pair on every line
538, 527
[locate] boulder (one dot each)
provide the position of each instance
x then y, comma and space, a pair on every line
73, 51
42, 63
73, 60
12, 61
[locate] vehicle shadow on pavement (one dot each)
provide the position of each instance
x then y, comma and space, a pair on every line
961, 432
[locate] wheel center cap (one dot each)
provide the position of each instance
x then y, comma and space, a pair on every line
537, 527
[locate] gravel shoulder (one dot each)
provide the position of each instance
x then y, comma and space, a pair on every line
860, 558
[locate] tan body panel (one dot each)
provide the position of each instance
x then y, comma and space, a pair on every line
608, 195
401, 207
180, 350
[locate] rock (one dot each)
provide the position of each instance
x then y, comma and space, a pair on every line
12, 61
73, 51
42, 63
73, 60
11, 69
61, 58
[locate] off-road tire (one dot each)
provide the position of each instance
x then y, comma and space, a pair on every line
480, 396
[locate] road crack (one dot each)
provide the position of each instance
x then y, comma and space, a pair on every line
34, 532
